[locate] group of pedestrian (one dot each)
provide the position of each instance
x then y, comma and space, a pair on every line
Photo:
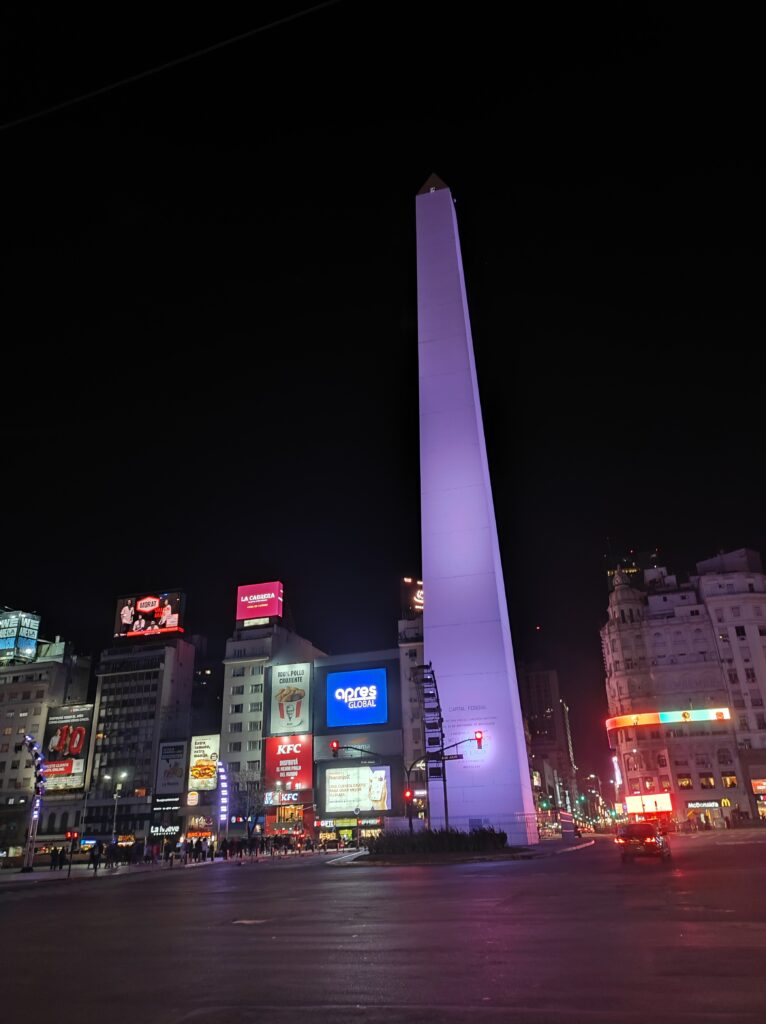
94, 857
58, 858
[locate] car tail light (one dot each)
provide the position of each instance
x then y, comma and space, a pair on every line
620, 842
650, 839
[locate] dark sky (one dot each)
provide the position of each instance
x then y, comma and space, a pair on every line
210, 372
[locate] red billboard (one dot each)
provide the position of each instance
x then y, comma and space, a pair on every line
289, 763
259, 601
145, 614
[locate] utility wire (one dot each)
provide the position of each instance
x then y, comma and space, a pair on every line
164, 67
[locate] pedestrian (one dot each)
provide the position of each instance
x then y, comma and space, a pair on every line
54, 859
97, 852
62, 857
211, 850
197, 851
204, 850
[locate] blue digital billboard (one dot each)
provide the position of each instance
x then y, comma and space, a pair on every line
359, 697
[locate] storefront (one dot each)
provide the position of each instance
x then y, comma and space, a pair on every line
705, 814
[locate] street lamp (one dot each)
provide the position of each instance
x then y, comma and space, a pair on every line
117, 788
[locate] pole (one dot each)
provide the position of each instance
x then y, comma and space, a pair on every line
29, 852
444, 784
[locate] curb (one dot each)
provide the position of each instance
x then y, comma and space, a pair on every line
580, 846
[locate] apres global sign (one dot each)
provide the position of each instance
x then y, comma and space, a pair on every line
358, 697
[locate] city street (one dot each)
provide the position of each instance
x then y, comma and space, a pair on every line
572, 937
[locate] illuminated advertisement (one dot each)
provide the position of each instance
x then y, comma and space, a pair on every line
18, 635
360, 788
759, 785
171, 768
283, 798
289, 762
203, 763
290, 686
66, 741
259, 601
668, 718
649, 804
149, 614
358, 697
412, 597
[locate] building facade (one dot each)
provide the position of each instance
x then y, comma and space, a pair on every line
670, 724
46, 678
551, 749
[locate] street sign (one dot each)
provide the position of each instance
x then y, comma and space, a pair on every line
452, 757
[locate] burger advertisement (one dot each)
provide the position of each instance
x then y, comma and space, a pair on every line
290, 691
203, 762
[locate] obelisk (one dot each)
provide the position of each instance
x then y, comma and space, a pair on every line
466, 628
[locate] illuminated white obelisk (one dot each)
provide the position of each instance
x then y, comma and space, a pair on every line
466, 629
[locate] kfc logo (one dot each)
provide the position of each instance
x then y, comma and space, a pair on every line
289, 748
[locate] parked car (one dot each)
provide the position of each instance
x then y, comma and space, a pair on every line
642, 839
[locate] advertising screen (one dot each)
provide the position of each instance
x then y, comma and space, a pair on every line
149, 614
289, 762
259, 601
359, 697
290, 698
203, 762
18, 635
66, 742
363, 788
171, 768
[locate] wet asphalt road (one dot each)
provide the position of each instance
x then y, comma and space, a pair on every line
573, 937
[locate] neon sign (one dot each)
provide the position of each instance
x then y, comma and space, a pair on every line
668, 717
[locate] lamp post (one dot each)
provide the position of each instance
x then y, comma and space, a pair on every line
117, 788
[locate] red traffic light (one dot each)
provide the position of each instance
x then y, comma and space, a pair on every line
408, 795
334, 747
479, 737
69, 835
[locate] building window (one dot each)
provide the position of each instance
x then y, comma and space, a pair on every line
665, 783
733, 677
39, 694
735, 613
684, 781
707, 782
253, 744
253, 766
234, 766
662, 761
760, 720
635, 787
236, 709
235, 690
256, 687
724, 756
729, 781
756, 700
743, 723
235, 727
750, 675
256, 670
234, 748
740, 631
256, 705
649, 785
254, 726
237, 672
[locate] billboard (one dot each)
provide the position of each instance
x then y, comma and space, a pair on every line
759, 785
652, 803
149, 614
290, 692
289, 762
171, 768
358, 697
412, 597
18, 635
66, 742
259, 601
203, 762
366, 788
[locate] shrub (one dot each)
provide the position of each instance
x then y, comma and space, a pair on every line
441, 840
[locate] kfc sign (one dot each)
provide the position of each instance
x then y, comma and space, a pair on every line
259, 601
289, 763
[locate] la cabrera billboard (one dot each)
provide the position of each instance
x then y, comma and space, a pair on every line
259, 601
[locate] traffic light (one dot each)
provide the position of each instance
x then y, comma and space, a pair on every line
73, 835
408, 794
334, 747
479, 737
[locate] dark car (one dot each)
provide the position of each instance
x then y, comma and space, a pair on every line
642, 839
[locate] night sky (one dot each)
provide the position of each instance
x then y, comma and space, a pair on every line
210, 365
